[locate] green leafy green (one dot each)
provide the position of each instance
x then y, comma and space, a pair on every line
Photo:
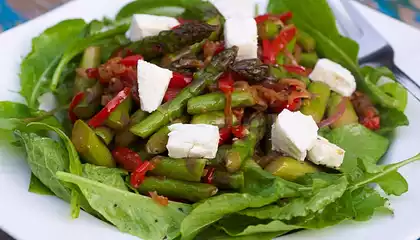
75, 166
324, 193
109, 176
359, 143
391, 118
36, 186
79, 46
187, 9
236, 225
129, 212
212, 233
261, 188
37, 66
46, 157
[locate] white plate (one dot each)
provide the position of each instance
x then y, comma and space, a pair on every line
28, 216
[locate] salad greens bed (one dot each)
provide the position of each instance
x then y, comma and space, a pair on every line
264, 206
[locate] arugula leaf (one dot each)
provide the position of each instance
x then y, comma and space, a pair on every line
35, 69
129, 212
212, 233
187, 9
324, 193
75, 166
45, 157
391, 118
109, 176
79, 46
261, 188
36, 186
236, 225
359, 143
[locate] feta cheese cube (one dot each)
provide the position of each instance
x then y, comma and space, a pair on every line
235, 8
326, 153
145, 25
335, 76
243, 33
294, 134
153, 82
193, 141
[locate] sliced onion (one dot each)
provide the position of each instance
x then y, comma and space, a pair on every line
337, 115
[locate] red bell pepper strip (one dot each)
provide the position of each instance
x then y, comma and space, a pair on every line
372, 123
74, 102
226, 86
137, 177
209, 176
300, 70
179, 80
224, 135
285, 36
283, 17
171, 94
268, 54
239, 131
127, 158
100, 117
131, 61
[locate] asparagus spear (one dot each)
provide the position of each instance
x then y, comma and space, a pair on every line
172, 40
157, 142
289, 168
105, 134
216, 102
316, 106
175, 108
252, 69
179, 169
349, 116
120, 117
90, 147
191, 191
87, 107
306, 41
213, 118
125, 137
225, 180
308, 59
90, 102
244, 148
218, 161
267, 146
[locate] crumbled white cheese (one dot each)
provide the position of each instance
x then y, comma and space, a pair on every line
193, 141
326, 153
294, 134
338, 78
243, 33
145, 25
153, 82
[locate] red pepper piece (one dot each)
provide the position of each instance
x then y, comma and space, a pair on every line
268, 54
224, 135
159, 199
300, 70
127, 158
209, 176
295, 105
137, 177
239, 131
171, 94
92, 72
283, 17
373, 123
285, 36
226, 83
74, 102
179, 80
100, 117
131, 61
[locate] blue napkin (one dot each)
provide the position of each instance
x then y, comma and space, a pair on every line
8, 17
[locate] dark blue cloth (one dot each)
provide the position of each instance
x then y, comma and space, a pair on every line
8, 17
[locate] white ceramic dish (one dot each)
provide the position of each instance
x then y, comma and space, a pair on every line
28, 216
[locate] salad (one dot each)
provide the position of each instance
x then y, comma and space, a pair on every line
208, 123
